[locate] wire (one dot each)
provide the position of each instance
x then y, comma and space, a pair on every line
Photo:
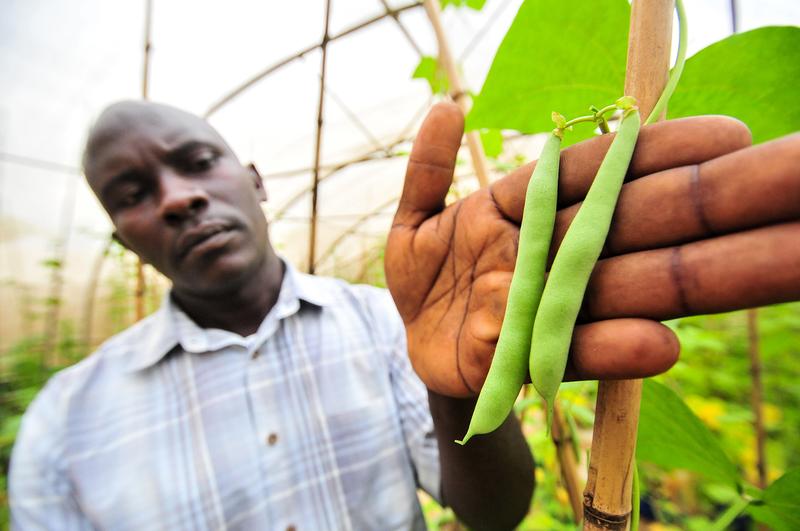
41, 164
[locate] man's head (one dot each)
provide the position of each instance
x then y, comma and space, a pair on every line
177, 196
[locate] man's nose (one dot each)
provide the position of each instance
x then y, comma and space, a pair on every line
181, 198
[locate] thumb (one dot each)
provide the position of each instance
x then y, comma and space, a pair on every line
431, 165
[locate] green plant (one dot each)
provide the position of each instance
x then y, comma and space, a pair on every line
746, 76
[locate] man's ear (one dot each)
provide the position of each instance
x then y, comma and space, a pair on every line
258, 181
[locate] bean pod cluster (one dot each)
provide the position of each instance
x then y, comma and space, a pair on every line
540, 315
510, 362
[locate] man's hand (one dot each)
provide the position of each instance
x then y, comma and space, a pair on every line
705, 224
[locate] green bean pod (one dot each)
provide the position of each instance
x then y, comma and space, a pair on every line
508, 370
573, 265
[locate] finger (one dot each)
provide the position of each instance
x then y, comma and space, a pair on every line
749, 188
660, 146
726, 273
611, 349
431, 165
621, 348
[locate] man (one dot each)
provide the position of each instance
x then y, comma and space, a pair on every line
260, 398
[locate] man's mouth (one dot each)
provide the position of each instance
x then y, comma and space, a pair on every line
206, 235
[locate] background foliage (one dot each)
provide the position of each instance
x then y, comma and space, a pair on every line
697, 443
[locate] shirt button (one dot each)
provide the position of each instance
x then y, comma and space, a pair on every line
272, 438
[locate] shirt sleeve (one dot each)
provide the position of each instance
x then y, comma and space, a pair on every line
40, 494
411, 399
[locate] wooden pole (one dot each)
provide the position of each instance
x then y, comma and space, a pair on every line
312, 244
566, 459
757, 391
756, 394
50, 355
141, 284
148, 29
91, 294
457, 91
607, 497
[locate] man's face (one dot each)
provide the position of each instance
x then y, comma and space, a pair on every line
178, 196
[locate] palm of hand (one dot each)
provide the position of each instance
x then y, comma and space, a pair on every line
453, 270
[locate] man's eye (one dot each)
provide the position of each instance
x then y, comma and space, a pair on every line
204, 161
130, 196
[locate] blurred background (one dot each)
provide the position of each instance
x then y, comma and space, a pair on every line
254, 68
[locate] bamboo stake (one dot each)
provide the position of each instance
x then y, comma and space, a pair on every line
141, 284
457, 91
756, 394
148, 29
3, 194
49, 354
312, 245
139, 291
566, 458
734, 16
91, 294
607, 497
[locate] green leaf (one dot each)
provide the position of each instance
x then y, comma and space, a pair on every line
52, 263
780, 507
477, 5
8, 430
492, 140
556, 56
429, 70
671, 436
753, 76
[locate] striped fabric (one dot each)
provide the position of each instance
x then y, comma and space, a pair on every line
315, 422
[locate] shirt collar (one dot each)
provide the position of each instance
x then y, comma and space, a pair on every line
156, 338
308, 288
169, 326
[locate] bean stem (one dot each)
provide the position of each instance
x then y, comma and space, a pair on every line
608, 108
581, 119
730, 514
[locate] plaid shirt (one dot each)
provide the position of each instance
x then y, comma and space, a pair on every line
314, 422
